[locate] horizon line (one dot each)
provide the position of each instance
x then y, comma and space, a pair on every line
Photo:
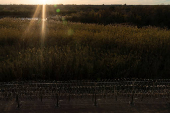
85, 4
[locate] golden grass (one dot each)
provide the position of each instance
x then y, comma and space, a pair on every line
82, 51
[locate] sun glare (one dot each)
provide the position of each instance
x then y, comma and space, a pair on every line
44, 1
43, 23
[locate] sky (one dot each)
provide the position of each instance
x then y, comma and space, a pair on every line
96, 2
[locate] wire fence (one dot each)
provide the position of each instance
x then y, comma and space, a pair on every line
84, 92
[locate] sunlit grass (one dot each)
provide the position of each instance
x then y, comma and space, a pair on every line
82, 51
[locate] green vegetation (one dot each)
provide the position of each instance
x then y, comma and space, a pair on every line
81, 51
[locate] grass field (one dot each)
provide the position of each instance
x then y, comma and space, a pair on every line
81, 51
139, 15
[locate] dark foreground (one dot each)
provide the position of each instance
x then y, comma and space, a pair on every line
86, 97
48, 105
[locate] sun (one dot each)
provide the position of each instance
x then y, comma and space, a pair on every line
43, 1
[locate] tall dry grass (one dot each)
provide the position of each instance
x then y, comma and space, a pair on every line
82, 51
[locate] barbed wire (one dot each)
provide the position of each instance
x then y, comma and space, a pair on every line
103, 91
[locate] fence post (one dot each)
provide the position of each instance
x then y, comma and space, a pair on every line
95, 102
57, 96
41, 96
104, 91
17, 100
69, 92
115, 92
69, 97
153, 89
142, 97
168, 96
57, 104
93, 96
132, 102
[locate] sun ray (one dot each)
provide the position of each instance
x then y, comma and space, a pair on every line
43, 30
29, 30
32, 21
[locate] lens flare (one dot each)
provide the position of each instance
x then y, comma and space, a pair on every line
32, 22
43, 30
43, 23
57, 10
